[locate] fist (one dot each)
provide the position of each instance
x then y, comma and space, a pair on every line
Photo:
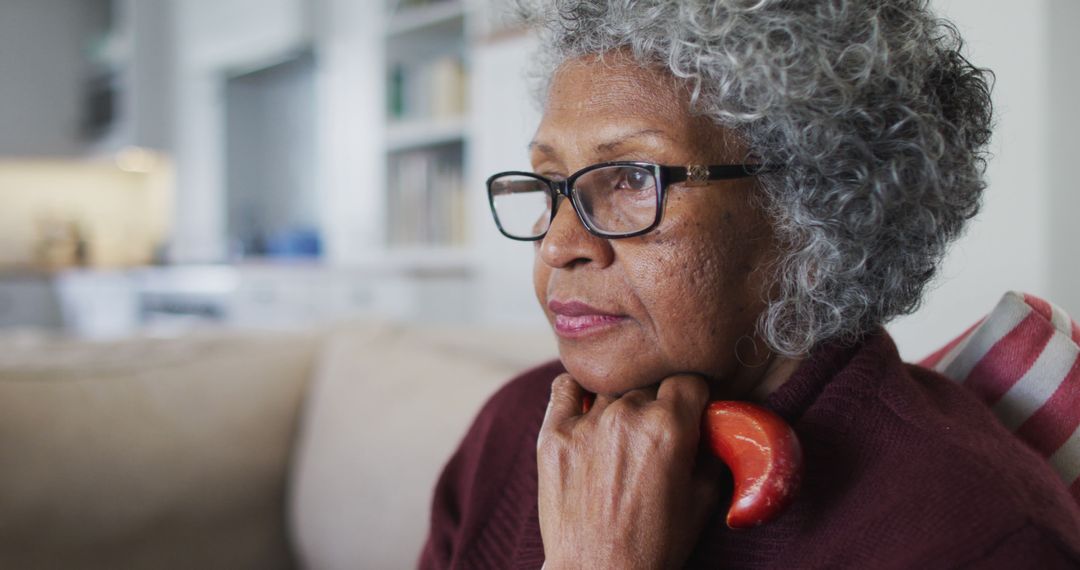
623, 485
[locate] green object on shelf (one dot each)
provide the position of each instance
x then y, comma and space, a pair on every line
396, 96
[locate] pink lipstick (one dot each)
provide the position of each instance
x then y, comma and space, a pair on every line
575, 319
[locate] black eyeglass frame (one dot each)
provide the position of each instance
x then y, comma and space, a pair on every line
663, 174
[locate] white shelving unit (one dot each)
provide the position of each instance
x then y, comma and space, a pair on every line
421, 17
476, 275
418, 134
427, 52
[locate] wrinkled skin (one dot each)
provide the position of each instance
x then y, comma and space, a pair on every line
623, 486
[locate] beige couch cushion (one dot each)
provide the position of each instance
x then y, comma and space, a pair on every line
387, 408
148, 453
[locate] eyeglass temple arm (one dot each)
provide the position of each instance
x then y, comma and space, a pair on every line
701, 173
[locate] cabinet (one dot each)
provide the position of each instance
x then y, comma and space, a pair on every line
28, 301
281, 296
128, 94
91, 304
84, 77
252, 296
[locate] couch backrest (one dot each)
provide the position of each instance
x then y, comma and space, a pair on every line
148, 453
387, 407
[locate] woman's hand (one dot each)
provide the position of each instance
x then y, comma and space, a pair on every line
623, 486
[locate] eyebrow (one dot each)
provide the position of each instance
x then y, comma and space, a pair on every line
604, 147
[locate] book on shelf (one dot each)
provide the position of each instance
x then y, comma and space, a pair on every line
428, 90
410, 4
427, 198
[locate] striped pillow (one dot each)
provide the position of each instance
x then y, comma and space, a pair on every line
1022, 360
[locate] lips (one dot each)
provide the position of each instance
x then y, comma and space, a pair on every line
575, 319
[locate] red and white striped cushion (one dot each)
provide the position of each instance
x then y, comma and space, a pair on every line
1023, 360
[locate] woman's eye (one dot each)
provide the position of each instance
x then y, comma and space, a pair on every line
634, 180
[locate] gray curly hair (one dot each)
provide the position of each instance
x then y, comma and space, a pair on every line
879, 121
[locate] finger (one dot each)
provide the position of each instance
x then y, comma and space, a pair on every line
631, 401
565, 401
605, 399
600, 403
689, 394
639, 397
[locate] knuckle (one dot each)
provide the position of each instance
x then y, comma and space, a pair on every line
687, 383
663, 409
662, 413
664, 431
635, 397
686, 391
544, 443
553, 457
664, 427
620, 413
550, 444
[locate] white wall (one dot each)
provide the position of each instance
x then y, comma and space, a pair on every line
213, 38
216, 37
270, 151
1063, 154
503, 123
350, 131
1022, 238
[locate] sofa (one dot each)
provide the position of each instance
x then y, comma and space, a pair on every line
314, 448
320, 448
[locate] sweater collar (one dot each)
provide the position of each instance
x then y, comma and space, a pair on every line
825, 363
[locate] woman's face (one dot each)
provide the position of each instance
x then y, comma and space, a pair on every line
630, 312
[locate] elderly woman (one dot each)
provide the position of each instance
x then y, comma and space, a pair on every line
727, 201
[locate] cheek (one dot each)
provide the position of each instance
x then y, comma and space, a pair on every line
696, 288
541, 274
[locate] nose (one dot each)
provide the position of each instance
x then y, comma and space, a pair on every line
568, 244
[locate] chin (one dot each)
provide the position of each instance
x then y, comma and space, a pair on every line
607, 377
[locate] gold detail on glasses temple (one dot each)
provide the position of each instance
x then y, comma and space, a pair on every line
697, 174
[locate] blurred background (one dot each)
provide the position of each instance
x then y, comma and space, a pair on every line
168, 165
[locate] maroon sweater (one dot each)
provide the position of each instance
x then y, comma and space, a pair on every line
904, 469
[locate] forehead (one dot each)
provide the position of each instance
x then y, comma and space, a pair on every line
614, 84
594, 101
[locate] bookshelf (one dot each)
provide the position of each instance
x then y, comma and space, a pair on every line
426, 126
426, 196
417, 16
407, 135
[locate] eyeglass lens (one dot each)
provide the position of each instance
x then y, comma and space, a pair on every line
618, 199
522, 205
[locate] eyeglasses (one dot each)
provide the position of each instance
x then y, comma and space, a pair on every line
612, 199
